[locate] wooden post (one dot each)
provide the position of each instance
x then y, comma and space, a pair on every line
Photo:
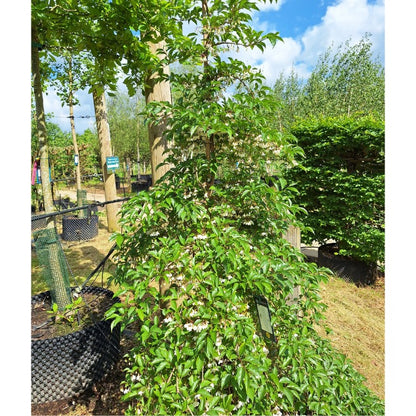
292, 235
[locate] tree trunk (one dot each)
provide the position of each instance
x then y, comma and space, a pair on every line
128, 173
41, 127
158, 91
62, 296
138, 159
105, 150
74, 140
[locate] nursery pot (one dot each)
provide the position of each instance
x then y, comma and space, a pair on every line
65, 366
348, 268
75, 229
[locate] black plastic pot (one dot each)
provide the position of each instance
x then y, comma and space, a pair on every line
349, 269
65, 366
76, 229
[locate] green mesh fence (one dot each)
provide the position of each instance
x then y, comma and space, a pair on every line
54, 266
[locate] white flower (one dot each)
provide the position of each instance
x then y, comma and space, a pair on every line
265, 350
239, 404
201, 326
154, 234
168, 319
249, 222
189, 326
280, 395
201, 237
295, 335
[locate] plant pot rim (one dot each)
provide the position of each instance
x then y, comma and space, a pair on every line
46, 296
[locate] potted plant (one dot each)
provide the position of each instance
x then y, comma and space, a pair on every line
72, 345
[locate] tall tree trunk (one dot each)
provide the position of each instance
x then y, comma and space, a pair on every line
74, 139
41, 127
138, 159
105, 150
128, 173
63, 297
158, 91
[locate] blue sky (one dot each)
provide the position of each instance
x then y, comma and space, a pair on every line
308, 28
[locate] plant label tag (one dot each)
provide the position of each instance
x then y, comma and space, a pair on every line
263, 313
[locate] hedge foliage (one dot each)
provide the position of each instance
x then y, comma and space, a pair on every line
341, 184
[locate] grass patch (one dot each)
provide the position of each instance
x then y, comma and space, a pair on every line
356, 318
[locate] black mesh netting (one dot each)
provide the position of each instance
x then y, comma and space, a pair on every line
65, 366
79, 229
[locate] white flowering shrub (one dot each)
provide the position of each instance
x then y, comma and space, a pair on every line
190, 269
197, 248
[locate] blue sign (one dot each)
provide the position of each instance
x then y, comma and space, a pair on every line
112, 162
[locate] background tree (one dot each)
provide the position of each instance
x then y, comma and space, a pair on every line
346, 81
288, 91
128, 131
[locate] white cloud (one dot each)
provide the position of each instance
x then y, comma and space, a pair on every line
267, 7
347, 19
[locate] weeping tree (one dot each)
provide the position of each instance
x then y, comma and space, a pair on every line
203, 254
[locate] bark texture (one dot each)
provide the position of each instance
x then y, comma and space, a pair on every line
105, 150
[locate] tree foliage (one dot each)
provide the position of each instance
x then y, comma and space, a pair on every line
347, 81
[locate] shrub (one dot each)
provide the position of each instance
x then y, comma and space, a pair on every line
200, 245
190, 267
341, 184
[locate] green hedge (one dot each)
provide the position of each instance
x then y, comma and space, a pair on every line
341, 184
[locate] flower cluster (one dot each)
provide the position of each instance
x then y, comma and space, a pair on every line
190, 326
